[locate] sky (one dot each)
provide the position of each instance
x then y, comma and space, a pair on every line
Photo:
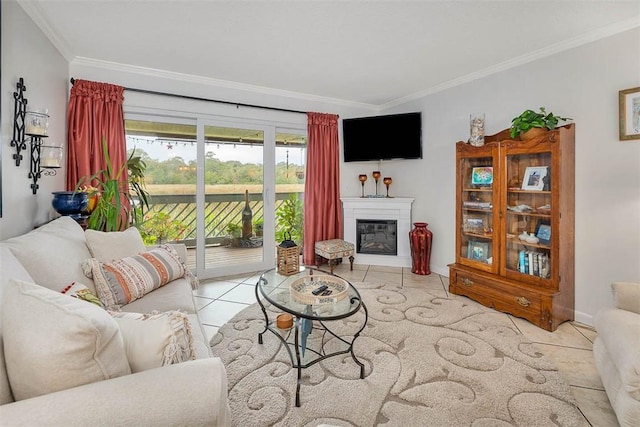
186, 150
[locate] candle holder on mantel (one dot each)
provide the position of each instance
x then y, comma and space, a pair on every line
376, 176
363, 178
387, 181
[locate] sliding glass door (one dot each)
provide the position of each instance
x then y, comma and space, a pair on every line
168, 148
227, 189
234, 207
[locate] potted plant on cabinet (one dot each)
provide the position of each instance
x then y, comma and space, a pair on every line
531, 124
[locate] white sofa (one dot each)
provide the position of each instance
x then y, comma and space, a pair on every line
189, 393
617, 352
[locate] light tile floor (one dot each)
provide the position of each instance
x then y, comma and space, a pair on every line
570, 346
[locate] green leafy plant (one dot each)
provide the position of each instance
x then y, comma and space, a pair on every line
530, 119
258, 226
289, 217
160, 227
234, 230
115, 204
137, 186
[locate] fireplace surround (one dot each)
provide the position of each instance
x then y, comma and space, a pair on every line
379, 210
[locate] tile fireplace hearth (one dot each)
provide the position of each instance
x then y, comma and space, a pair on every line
379, 227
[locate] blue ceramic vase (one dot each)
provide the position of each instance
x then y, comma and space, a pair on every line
69, 203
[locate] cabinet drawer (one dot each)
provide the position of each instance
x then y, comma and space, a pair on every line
512, 300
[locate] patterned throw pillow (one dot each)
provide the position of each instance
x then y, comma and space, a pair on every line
156, 339
80, 291
124, 280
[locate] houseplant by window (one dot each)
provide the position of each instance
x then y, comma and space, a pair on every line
115, 207
530, 124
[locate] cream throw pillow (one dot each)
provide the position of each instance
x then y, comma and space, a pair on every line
53, 342
107, 246
156, 339
44, 251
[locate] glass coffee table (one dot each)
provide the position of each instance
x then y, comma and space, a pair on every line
309, 319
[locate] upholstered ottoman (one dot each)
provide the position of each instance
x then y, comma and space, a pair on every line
334, 250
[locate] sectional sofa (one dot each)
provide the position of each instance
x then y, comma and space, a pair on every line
616, 351
68, 361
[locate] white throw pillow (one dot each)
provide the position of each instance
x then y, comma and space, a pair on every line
107, 246
156, 339
44, 252
53, 342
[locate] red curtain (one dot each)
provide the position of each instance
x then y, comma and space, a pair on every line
95, 112
322, 207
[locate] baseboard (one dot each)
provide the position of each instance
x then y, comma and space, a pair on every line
583, 318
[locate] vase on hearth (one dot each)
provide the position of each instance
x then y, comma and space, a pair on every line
420, 242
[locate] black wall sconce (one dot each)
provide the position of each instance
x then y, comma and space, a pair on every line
31, 126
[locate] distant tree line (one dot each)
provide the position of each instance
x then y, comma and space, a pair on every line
177, 171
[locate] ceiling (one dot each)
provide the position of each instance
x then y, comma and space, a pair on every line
373, 54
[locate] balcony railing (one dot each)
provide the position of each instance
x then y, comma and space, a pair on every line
220, 210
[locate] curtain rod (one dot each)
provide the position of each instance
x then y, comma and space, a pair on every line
195, 98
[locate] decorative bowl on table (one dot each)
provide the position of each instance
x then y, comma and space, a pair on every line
333, 290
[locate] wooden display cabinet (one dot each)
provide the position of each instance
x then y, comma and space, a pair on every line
505, 189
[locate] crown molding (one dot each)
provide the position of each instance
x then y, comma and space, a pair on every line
33, 10
217, 83
589, 37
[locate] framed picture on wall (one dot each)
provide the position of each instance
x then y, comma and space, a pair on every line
629, 111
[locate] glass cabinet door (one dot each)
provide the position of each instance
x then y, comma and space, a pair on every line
528, 223
476, 214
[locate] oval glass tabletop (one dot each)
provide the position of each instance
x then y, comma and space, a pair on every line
276, 289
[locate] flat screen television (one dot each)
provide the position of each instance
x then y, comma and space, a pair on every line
396, 136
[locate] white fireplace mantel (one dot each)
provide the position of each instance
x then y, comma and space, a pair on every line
393, 208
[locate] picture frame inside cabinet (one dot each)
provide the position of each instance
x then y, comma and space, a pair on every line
543, 231
475, 224
482, 176
535, 178
478, 251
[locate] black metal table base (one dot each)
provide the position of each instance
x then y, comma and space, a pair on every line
295, 355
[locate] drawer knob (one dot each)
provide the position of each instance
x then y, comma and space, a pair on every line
467, 282
523, 301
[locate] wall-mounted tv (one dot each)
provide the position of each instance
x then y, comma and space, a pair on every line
396, 136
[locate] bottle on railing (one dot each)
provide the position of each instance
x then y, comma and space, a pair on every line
247, 216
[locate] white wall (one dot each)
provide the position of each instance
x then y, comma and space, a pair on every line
581, 83
27, 53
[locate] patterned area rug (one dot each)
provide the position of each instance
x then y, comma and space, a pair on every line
429, 361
